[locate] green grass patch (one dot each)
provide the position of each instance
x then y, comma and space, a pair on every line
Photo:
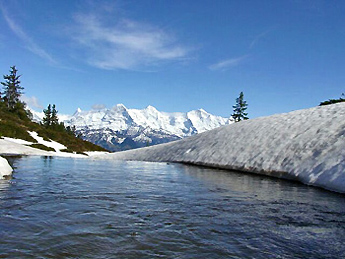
14, 127
43, 147
66, 150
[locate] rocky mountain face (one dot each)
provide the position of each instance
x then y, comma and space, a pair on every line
120, 128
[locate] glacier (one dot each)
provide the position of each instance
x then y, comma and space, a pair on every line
305, 145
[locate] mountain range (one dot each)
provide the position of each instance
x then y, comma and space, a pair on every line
120, 128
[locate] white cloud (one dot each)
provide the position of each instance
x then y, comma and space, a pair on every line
30, 44
32, 101
98, 106
228, 63
126, 44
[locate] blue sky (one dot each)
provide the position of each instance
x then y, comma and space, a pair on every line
176, 55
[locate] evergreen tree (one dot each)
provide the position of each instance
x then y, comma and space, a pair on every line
71, 130
331, 101
54, 119
12, 90
239, 109
50, 119
47, 119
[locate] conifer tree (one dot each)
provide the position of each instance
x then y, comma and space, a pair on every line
239, 109
47, 119
332, 101
12, 90
54, 117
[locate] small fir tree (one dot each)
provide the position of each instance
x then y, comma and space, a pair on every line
47, 119
240, 109
12, 90
54, 117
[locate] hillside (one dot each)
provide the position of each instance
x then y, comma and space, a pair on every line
305, 145
18, 127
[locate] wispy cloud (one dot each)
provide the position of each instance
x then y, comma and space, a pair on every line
260, 36
32, 101
127, 44
228, 63
30, 44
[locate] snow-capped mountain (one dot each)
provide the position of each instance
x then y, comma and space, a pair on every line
120, 128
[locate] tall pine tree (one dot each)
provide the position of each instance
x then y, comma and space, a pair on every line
54, 117
12, 90
50, 118
240, 109
47, 119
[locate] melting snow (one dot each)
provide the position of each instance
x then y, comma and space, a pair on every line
305, 145
10, 146
5, 168
52, 144
18, 141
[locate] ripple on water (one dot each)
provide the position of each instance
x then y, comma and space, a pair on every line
102, 209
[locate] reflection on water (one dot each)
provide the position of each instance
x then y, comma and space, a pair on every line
103, 209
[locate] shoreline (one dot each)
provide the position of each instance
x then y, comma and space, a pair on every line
304, 145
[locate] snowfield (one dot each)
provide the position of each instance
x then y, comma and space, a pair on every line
5, 168
305, 145
10, 146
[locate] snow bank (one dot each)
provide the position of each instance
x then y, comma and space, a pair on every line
10, 147
5, 168
18, 141
305, 145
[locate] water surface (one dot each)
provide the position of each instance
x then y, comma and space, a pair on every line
70, 208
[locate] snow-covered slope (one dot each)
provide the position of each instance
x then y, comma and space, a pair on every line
11, 146
120, 128
305, 145
52, 144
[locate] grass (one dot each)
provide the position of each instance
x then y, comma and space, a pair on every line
14, 127
43, 147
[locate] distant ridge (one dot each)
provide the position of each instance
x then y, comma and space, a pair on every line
120, 128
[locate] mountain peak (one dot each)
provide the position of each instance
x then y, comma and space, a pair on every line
110, 127
119, 106
76, 112
150, 108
